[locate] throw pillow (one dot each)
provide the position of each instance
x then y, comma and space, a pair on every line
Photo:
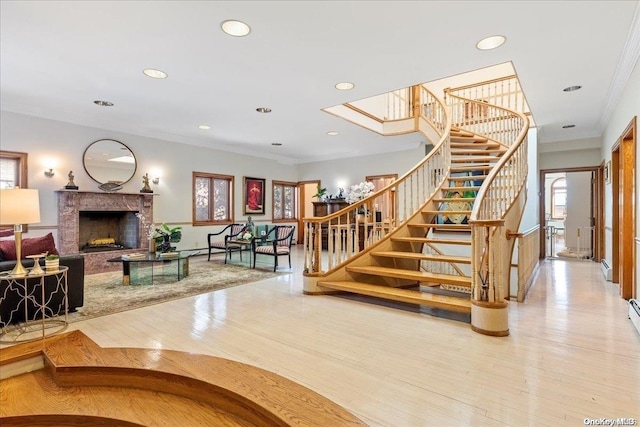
30, 246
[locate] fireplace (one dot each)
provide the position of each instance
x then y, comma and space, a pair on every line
108, 231
99, 217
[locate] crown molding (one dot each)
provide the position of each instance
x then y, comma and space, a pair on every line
626, 64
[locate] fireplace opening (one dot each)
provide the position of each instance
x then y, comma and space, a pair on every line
107, 231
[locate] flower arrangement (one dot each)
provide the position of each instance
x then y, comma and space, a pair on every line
359, 191
245, 235
149, 228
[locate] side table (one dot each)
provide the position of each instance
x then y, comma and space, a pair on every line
40, 320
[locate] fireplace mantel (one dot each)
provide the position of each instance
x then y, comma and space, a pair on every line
71, 202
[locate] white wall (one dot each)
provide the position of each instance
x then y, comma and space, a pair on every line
346, 172
625, 110
570, 159
65, 143
530, 217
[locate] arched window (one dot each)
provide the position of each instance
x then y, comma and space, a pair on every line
559, 199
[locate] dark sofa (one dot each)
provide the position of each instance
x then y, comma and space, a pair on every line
12, 305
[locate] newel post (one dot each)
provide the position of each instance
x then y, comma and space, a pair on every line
489, 309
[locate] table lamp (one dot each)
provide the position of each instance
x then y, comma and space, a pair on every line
19, 206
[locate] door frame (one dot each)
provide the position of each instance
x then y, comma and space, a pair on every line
623, 219
541, 205
301, 185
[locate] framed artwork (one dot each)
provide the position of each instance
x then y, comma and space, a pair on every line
607, 172
253, 196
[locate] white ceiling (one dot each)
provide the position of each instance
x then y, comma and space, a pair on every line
57, 57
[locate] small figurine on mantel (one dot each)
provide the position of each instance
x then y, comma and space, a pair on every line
145, 181
71, 185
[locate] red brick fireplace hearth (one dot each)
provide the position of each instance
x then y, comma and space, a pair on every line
70, 205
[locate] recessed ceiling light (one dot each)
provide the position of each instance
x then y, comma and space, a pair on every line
103, 103
263, 110
345, 86
332, 133
571, 88
568, 126
277, 144
204, 127
156, 74
235, 28
491, 42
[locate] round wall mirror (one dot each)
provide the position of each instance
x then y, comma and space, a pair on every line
109, 161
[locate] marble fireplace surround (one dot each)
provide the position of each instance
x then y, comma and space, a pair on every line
72, 202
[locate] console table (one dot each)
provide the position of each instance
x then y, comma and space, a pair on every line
40, 319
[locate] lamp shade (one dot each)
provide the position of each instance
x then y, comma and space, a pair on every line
19, 206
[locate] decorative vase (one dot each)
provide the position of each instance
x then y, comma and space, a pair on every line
166, 244
51, 264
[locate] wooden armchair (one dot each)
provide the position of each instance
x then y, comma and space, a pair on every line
218, 241
279, 241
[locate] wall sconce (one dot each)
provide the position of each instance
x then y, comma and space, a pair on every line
49, 164
156, 180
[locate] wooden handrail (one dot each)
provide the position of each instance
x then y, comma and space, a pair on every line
340, 230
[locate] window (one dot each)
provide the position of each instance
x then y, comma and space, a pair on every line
212, 199
284, 201
559, 199
13, 169
13, 173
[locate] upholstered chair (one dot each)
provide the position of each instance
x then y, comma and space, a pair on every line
278, 245
218, 241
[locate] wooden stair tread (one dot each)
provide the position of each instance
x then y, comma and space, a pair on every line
442, 226
462, 305
465, 138
45, 403
419, 276
425, 240
447, 212
475, 145
468, 178
423, 256
462, 188
472, 159
460, 168
252, 394
460, 151
457, 199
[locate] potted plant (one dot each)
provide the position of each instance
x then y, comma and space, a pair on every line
166, 236
321, 192
51, 262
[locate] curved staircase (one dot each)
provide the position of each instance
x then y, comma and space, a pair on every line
449, 239
393, 274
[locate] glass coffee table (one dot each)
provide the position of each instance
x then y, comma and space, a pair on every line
141, 269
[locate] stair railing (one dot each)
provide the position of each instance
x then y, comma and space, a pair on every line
332, 240
498, 193
503, 92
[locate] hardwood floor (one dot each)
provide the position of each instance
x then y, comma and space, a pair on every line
572, 353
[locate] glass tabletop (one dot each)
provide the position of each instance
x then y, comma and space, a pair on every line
153, 257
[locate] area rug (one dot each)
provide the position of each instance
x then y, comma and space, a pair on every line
104, 293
